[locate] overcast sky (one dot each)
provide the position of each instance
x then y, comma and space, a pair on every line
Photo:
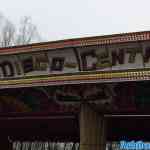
62, 19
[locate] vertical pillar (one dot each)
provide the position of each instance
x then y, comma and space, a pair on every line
92, 129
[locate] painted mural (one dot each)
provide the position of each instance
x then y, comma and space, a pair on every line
117, 97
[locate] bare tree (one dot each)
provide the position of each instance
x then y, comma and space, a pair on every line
26, 32
7, 34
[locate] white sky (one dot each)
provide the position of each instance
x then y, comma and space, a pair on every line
62, 19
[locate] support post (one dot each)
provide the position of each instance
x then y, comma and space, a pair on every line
92, 129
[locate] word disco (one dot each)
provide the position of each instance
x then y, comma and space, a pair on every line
73, 60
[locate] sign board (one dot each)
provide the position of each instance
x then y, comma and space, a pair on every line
75, 61
72, 60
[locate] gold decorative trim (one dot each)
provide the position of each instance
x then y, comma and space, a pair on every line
96, 77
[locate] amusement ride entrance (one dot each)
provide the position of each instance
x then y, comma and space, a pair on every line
89, 90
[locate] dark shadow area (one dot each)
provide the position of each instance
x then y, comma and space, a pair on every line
128, 128
52, 113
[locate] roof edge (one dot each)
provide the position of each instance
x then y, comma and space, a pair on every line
75, 42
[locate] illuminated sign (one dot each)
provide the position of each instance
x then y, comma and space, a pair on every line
76, 60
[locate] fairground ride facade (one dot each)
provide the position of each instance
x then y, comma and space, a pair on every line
71, 89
